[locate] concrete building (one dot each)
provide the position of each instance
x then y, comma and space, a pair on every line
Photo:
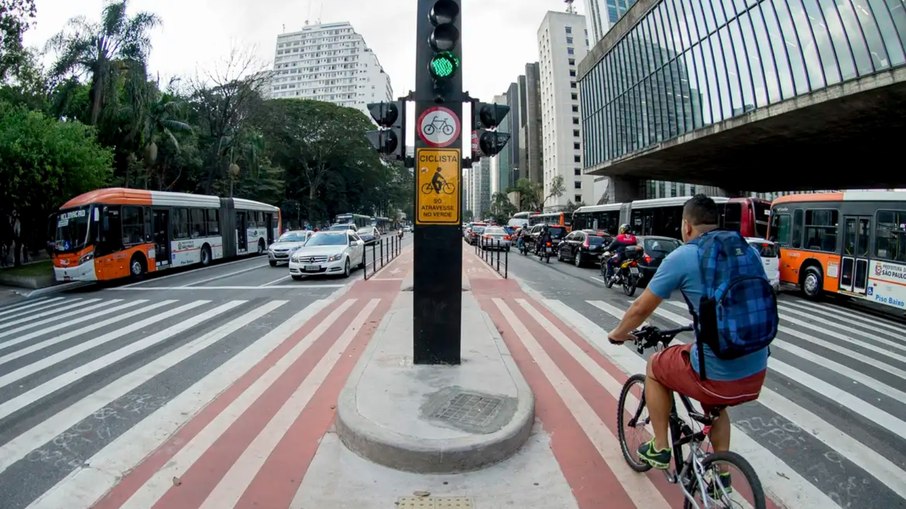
794, 98
329, 62
562, 45
603, 14
502, 164
530, 130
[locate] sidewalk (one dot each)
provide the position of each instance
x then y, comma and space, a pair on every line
267, 437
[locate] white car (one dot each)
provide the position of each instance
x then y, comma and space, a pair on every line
328, 253
770, 256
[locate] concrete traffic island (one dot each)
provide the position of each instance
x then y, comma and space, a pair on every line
435, 419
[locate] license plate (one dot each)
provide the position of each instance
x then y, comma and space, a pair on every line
634, 271
312, 268
67, 278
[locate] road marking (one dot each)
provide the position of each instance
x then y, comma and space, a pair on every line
49, 387
67, 324
185, 288
28, 304
850, 313
224, 276
284, 278
785, 316
70, 305
193, 271
161, 481
599, 279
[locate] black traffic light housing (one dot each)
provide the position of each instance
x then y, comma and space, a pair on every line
446, 58
390, 139
487, 117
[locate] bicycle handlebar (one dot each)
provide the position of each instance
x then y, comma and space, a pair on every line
649, 336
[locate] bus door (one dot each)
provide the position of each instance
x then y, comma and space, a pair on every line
855, 262
270, 223
242, 232
162, 237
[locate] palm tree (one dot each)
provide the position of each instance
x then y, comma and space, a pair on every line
103, 50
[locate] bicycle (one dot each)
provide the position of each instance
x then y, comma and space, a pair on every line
700, 468
445, 128
447, 188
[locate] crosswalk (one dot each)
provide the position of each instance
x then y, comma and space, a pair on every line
90, 387
828, 430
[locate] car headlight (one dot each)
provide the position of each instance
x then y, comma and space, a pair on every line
86, 257
297, 258
336, 257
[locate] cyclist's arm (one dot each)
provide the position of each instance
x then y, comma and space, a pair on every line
637, 313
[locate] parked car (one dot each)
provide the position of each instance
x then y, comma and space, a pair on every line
655, 249
369, 234
328, 253
495, 237
770, 256
474, 232
582, 247
286, 245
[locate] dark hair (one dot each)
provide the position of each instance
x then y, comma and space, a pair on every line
700, 210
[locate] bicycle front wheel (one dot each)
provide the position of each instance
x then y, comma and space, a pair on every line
729, 481
632, 421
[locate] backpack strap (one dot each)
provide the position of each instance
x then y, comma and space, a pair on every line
698, 341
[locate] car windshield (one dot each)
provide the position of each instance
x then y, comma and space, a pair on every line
494, 231
765, 249
326, 239
594, 240
292, 237
478, 229
660, 246
72, 230
339, 227
557, 232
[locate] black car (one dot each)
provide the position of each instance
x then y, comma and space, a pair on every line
656, 249
582, 247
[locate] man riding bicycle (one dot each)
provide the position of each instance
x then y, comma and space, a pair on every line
438, 181
727, 382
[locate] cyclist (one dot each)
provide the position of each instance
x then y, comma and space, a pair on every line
618, 246
438, 181
727, 382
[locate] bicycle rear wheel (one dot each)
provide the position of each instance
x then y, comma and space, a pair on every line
742, 490
632, 421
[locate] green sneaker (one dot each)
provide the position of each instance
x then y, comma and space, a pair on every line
657, 459
715, 492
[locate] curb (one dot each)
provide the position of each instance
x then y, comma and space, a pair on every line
401, 452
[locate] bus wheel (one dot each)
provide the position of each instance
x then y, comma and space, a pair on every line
205, 255
812, 283
136, 267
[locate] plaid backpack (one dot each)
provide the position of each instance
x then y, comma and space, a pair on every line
737, 314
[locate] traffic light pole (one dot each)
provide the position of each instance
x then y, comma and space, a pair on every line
438, 190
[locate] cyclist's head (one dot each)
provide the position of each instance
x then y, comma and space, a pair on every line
437, 170
624, 228
700, 215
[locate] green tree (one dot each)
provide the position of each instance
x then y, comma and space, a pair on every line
43, 163
529, 194
467, 216
502, 209
557, 189
15, 19
105, 50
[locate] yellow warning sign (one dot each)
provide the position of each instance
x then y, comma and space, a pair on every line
438, 186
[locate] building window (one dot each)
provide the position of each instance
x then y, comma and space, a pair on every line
576, 146
578, 184
575, 121
577, 198
577, 159
569, 40
570, 51
577, 134
578, 172
569, 30
575, 108
575, 97
572, 61
572, 84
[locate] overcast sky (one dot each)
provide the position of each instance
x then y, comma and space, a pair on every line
499, 36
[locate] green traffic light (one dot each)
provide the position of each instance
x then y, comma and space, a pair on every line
444, 65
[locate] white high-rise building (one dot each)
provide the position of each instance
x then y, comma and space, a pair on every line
329, 62
562, 44
603, 14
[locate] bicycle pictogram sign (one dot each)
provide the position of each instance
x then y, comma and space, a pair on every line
438, 126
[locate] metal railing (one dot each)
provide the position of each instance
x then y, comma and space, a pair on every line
383, 252
484, 247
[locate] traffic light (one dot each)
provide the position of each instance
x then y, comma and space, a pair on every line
486, 140
390, 138
444, 39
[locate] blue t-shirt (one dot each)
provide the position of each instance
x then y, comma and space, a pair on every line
680, 271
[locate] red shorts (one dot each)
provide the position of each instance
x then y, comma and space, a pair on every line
673, 369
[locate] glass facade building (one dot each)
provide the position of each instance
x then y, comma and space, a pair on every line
687, 64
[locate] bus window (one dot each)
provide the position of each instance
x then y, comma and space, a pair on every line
780, 229
733, 216
890, 235
133, 225
196, 223
821, 230
797, 229
213, 221
180, 224
762, 211
111, 231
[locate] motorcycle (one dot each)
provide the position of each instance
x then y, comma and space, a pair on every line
627, 273
546, 251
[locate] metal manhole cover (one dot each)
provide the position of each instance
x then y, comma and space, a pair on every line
434, 503
468, 409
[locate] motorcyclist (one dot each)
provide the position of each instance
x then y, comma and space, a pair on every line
543, 239
618, 246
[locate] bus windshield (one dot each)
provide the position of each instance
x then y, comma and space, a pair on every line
72, 230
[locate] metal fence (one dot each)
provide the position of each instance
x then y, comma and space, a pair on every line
383, 252
495, 253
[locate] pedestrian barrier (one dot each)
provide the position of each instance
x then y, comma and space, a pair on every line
383, 252
493, 258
